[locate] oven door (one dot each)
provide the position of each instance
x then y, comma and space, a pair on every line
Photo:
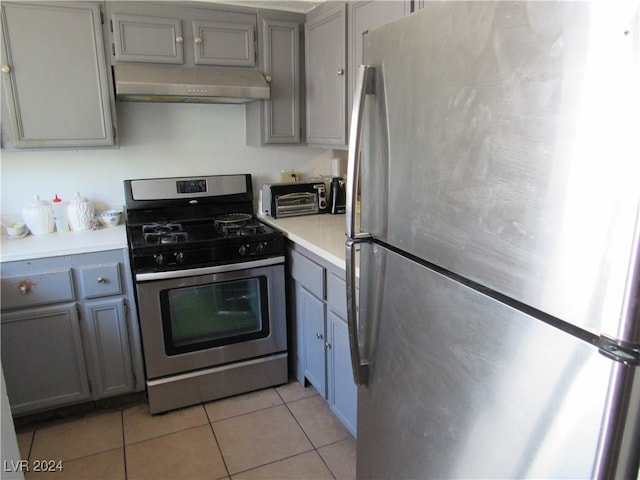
204, 317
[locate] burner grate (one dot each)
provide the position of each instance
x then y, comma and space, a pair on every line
164, 233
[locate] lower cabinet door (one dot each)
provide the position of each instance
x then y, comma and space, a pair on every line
42, 358
343, 392
107, 342
310, 311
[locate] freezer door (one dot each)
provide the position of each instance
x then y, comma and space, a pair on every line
502, 144
461, 386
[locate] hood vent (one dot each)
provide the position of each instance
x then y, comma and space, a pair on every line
172, 84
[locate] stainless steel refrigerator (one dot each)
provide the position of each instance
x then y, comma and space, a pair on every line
496, 258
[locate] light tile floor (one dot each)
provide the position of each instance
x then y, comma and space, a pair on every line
286, 432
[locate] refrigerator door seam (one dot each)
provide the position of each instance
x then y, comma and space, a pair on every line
612, 348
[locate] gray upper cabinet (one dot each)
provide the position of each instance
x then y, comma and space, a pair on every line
220, 43
278, 121
138, 38
54, 75
326, 77
176, 33
334, 38
365, 16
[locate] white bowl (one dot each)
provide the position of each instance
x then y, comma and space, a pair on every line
16, 229
110, 218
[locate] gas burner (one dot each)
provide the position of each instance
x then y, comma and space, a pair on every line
233, 218
241, 230
164, 233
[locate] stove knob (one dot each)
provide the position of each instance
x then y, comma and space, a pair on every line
260, 248
243, 250
159, 258
179, 257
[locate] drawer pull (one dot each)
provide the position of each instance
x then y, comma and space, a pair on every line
102, 280
25, 287
319, 336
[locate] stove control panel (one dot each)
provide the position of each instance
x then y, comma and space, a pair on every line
192, 186
256, 248
166, 258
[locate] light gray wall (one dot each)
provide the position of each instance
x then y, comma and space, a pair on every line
156, 140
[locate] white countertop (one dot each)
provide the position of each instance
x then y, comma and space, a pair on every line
323, 235
57, 244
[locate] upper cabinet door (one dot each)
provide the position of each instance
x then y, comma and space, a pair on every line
221, 43
281, 63
147, 39
54, 75
364, 16
326, 78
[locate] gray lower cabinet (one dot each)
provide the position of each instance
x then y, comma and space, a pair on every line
69, 330
109, 352
54, 75
310, 315
43, 358
342, 390
321, 352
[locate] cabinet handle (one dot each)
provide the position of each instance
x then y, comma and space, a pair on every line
179, 39
102, 280
319, 336
23, 289
5, 69
198, 40
267, 78
327, 345
340, 72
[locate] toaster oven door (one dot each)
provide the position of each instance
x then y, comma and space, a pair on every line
293, 204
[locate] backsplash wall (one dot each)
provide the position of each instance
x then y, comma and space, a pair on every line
156, 140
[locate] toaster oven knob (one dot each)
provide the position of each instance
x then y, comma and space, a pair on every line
243, 250
159, 258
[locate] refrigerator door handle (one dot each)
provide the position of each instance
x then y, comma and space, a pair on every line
364, 86
360, 367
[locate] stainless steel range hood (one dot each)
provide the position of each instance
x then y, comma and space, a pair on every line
176, 84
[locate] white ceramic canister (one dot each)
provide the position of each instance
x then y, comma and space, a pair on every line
38, 215
79, 213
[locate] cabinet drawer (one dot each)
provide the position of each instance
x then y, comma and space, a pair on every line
100, 280
308, 273
337, 295
37, 289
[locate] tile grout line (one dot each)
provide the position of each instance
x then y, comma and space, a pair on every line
212, 429
306, 435
215, 438
124, 444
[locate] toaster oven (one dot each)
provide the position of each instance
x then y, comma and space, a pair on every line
293, 199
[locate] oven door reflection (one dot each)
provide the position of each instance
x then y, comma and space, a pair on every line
217, 314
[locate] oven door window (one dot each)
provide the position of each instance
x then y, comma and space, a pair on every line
212, 315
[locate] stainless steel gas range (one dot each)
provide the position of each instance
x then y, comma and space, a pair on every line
210, 288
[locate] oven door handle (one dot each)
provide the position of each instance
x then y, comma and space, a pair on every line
190, 272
